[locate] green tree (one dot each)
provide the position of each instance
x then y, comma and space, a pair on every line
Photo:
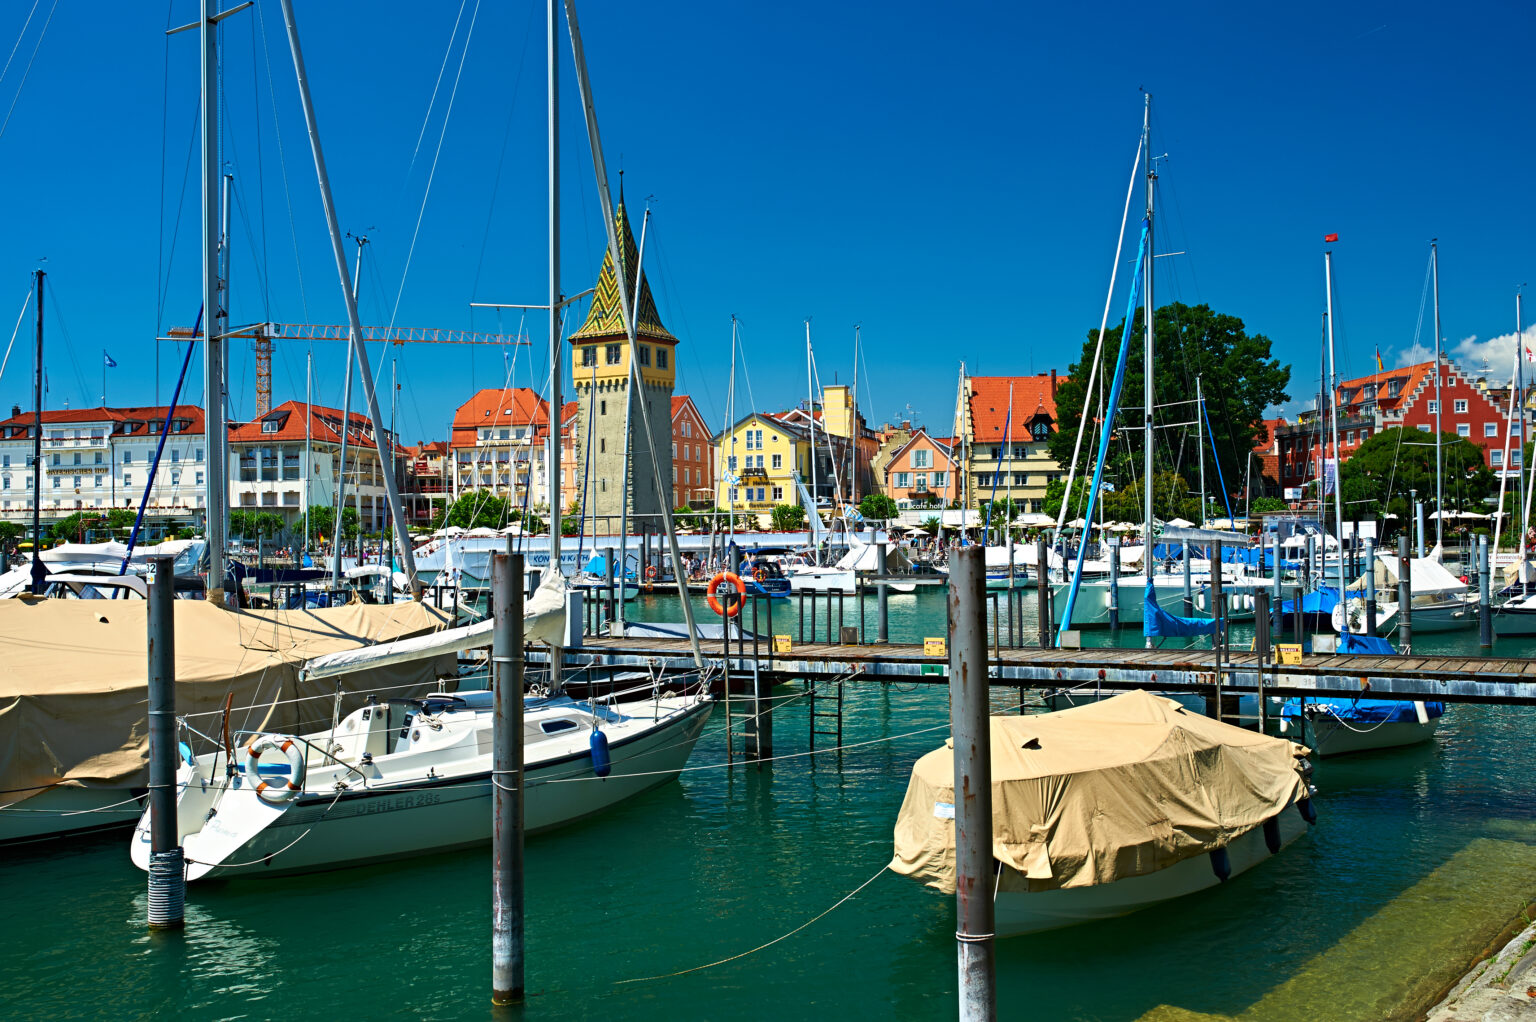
933, 524
1377, 478
788, 517
1056, 492
1240, 381
1169, 496
1267, 504
322, 522
479, 509
878, 506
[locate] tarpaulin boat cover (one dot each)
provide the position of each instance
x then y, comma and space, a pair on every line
1365, 711
1122, 787
1155, 621
74, 689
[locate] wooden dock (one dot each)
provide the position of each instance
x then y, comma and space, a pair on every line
1497, 680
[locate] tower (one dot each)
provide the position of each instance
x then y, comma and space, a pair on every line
600, 372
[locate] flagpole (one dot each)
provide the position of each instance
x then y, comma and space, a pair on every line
103, 377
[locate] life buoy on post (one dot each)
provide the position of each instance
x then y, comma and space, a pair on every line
276, 789
650, 572
732, 606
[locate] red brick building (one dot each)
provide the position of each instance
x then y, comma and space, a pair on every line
693, 454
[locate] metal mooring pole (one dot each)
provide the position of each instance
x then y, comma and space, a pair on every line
167, 868
1404, 597
1484, 585
1370, 587
507, 947
970, 724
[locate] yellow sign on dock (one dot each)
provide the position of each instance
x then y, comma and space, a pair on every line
781, 644
1288, 654
933, 647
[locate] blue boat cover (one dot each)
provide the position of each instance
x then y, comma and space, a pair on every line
1155, 621
1366, 711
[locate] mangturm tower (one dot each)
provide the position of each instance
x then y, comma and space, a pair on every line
600, 372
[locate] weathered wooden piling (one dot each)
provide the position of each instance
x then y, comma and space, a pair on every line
167, 867
970, 724
507, 947
1042, 593
882, 597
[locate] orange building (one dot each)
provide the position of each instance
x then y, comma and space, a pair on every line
923, 472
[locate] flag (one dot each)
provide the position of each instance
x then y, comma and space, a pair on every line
1529, 355
110, 364
1379, 367
1330, 237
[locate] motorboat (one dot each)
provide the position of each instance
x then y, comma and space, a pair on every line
1108, 808
1441, 602
408, 777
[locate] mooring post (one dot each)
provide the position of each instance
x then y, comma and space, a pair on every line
1278, 598
1189, 593
1484, 587
507, 946
1418, 521
881, 591
1370, 587
1261, 647
1042, 593
1218, 614
167, 868
608, 574
1114, 582
1404, 598
970, 725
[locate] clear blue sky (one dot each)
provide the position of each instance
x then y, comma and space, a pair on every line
951, 177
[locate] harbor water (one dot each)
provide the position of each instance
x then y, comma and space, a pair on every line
1417, 853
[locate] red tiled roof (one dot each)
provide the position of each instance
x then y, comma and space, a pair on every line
323, 426
1266, 438
990, 402
1409, 376
518, 406
126, 421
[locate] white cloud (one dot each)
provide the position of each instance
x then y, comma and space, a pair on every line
1493, 358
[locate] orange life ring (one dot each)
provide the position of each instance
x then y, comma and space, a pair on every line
732, 607
761, 573
650, 572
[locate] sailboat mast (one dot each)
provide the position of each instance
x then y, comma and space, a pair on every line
38, 571
853, 428
1200, 436
810, 389
1434, 262
213, 344
1147, 348
309, 411
552, 449
346, 429
733, 471
1520, 411
1333, 414
629, 429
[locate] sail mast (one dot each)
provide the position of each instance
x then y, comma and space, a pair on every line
38, 571
1525, 509
1147, 350
1200, 437
810, 389
1333, 413
1434, 261
213, 344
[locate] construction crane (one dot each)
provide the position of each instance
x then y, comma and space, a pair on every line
263, 334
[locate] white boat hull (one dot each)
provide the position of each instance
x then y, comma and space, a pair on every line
822, 580
1021, 912
323, 831
1331, 737
1509, 621
64, 810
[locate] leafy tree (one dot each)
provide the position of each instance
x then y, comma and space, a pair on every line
570, 526
1377, 478
1056, 492
479, 509
1000, 512
1241, 380
1267, 504
878, 506
349, 523
788, 517
322, 522
121, 518
1169, 494
933, 524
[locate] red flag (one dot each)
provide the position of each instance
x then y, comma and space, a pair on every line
1330, 237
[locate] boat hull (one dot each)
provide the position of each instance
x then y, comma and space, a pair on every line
63, 811
322, 832
1329, 736
1022, 912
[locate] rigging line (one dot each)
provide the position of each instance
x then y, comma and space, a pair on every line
410, 252
25, 302
506, 136
261, 187
27, 73
181, 204
23, 34
699, 968
427, 117
160, 270
69, 345
282, 164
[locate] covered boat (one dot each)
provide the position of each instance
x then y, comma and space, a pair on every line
1110, 807
74, 746
1337, 726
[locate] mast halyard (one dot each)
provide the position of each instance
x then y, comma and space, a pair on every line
1434, 262
810, 409
346, 429
556, 311
1523, 492
627, 482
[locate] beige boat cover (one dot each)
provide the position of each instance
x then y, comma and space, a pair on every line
1122, 787
74, 695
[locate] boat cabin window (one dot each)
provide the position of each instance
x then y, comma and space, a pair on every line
554, 727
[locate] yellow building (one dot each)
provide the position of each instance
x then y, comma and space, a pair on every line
759, 459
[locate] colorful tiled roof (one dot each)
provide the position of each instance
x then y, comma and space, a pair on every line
604, 318
990, 403
517, 406
125, 421
324, 426
1353, 394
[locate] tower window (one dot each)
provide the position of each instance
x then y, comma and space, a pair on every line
645, 354
602, 408
602, 445
661, 358
613, 354
589, 356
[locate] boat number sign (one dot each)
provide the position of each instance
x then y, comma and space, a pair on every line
933, 647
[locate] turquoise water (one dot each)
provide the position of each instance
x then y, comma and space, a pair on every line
726, 860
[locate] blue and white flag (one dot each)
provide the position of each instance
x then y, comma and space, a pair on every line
108, 359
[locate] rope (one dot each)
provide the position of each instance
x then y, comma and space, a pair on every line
27, 72
819, 916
